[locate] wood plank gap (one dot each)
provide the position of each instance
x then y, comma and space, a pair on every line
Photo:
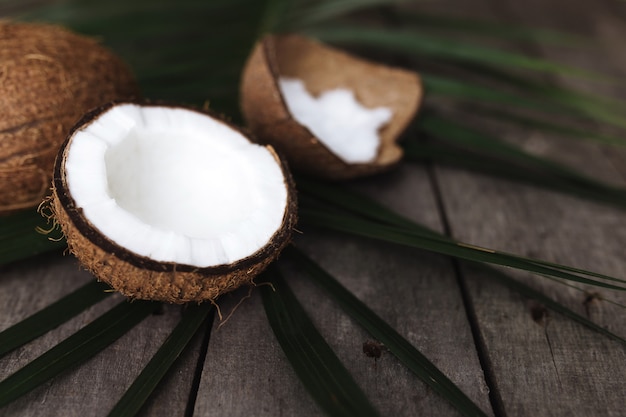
204, 349
495, 399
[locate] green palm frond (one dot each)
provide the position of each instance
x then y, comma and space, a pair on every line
74, 350
143, 386
466, 147
413, 43
320, 371
379, 329
416, 238
27, 234
52, 316
488, 29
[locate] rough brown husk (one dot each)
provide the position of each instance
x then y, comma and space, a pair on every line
49, 77
139, 277
323, 68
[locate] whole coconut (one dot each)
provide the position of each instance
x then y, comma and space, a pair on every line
49, 77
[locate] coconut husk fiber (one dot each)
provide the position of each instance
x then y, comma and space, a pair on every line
49, 77
323, 68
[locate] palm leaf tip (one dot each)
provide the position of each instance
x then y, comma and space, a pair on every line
143, 386
316, 365
76, 349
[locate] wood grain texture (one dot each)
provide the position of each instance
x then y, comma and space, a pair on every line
542, 363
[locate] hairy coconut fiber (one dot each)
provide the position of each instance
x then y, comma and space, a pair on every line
49, 77
323, 68
140, 277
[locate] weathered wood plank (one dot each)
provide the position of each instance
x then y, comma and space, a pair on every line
545, 364
246, 374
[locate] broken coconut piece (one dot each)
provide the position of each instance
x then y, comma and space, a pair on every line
323, 69
49, 77
337, 119
169, 203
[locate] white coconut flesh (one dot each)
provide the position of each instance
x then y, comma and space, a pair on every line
346, 127
175, 185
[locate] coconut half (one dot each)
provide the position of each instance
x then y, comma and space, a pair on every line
323, 69
170, 203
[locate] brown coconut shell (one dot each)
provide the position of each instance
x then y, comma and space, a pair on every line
323, 68
140, 277
49, 77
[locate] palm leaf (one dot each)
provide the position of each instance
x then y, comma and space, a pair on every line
316, 365
50, 317
437, 85
312, 13
161, 362
76, 349
546, 301
445, 154
569, 130
392, 340
566, 101
372, 210
422, 238
489, 29
350, 224
472, 149
24, 235
411, 43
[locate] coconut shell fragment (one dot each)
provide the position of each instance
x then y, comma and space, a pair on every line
49, 77
145, 275
323, 68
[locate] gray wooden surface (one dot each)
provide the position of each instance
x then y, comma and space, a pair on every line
489, 340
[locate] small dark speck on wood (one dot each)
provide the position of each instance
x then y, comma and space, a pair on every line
373, 349
539, 313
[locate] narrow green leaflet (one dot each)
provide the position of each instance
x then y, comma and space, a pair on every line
437, 85
75, 349
321, 11
592, 106
316, 365
484, 62
398, 345
353, 202
422, 238
490, 29
135, 397
406, 353
549, 303
445, 154
52, 316
551, 126
23, 235
276, 16
476, 147
366, 228
551, 101
421, 45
